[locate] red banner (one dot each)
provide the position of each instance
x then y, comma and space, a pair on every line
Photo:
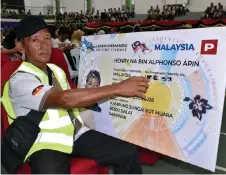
159, 24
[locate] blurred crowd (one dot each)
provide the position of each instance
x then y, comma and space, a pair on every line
19, 14
168, 12
214, 11
109, 15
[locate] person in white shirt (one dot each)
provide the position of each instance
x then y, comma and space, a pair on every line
62, 42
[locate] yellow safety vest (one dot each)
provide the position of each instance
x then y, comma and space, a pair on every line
57, 129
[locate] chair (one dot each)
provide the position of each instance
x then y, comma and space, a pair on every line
148, 157
75, 53
71, 66
4, 59
75, 58
73, 73
58, 59
78, 165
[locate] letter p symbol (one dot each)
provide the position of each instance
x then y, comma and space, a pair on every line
209, 47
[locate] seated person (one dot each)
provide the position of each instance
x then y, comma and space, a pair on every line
76, 38
9, 51
12, 52
62, 42
62, 132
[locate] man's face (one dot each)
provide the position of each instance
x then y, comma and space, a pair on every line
92, 83
63, 37
37, 47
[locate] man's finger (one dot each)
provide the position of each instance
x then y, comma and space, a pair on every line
141, 95
142, 89
144, 84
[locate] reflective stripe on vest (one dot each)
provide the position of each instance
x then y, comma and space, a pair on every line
7, 103
59, 138
57, 130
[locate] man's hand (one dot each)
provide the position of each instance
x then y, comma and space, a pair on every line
81, 98
132, 87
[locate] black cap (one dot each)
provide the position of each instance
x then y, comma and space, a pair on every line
29, 25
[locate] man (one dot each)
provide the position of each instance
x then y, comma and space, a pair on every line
59, 137
62, 42
11, 51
